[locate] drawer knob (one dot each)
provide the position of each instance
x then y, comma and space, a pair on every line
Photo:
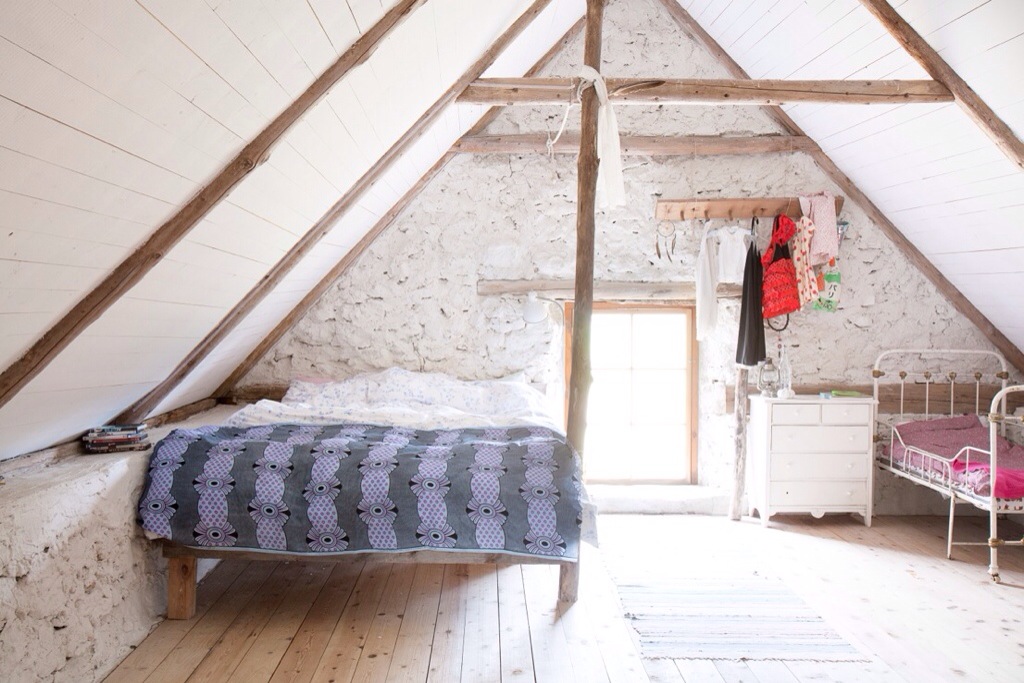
849, 494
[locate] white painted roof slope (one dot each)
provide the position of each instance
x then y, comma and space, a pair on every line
114, 113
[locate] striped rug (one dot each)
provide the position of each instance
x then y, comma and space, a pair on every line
735, 618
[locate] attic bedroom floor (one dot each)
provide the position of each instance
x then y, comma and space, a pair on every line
887, 590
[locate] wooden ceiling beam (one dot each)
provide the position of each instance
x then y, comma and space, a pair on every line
326, 222
131, 270
288, 322
638, 145
930, 60
854, 193
534, 91
605, 290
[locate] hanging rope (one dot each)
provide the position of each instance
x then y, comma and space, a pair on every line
565, 119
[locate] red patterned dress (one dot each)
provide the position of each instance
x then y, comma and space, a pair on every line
806, 280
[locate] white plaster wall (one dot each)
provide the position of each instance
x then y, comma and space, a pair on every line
79, 584
411, 299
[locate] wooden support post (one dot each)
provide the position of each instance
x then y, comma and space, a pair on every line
586, 187
740, 461
181, 587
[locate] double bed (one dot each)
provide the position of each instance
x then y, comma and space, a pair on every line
415, 466
965, 456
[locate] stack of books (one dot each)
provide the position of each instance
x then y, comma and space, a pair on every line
116, 438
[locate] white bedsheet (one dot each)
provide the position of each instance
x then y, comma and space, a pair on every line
411, 415
402, 398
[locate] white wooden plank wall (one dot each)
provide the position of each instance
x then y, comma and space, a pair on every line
234, 65
928, 168
142, 129
112, 120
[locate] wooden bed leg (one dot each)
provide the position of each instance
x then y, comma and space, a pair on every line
181, 587
569, 582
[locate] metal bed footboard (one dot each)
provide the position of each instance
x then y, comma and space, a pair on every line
997, 421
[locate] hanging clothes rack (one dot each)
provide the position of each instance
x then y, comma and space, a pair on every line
744, 207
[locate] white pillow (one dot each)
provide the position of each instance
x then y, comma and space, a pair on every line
395, 386
317, 392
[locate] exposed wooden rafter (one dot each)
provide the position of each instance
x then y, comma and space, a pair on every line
533, 91
324, 225
606, 290
639, 145
130, 271
227, 386
930, 60
853, 193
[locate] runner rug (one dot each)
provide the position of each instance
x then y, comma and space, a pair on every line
735, 618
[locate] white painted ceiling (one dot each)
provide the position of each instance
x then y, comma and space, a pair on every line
113, 113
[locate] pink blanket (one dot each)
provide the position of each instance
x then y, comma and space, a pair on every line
949, 437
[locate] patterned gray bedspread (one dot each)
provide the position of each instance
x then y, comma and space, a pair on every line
349, 488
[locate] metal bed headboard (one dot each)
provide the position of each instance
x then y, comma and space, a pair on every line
933, 375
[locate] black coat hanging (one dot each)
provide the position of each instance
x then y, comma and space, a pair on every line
750, 349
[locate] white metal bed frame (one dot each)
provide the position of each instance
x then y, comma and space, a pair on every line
936, 471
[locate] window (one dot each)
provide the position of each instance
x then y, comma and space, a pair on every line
641, 413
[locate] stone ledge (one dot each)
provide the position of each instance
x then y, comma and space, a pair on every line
79, 583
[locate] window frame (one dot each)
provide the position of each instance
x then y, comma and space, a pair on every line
646, 307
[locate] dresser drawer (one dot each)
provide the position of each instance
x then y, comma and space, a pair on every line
793, 466
820, 439
807, 495
796, 414
846, 414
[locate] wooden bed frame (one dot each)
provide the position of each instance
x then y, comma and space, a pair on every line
181, 568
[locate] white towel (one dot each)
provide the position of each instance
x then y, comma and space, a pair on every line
611, 190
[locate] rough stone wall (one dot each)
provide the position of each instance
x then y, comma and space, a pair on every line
79, 584
69, 575
411, 299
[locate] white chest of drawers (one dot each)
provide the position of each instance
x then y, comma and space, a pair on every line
810, 454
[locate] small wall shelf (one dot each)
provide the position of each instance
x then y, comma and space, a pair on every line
689, 209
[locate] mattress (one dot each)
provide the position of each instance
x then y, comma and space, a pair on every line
955, 451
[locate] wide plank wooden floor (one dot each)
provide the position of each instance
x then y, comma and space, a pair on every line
887, 589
